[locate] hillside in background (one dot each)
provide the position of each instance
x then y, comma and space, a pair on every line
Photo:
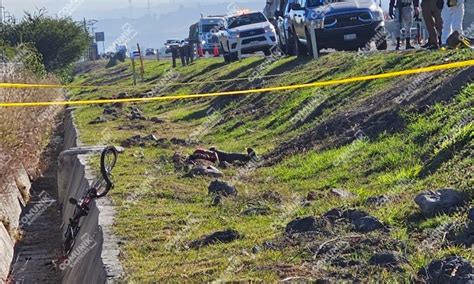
330, 155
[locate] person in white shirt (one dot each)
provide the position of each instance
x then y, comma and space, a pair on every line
452, 14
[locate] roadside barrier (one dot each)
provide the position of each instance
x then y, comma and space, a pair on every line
461, 64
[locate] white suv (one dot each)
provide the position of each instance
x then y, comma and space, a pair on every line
253, 30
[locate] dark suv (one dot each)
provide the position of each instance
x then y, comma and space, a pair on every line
342, 25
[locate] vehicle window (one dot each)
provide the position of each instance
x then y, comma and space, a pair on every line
315, 3
246, 19
209, 28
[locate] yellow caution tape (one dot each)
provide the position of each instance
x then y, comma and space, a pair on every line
460, 64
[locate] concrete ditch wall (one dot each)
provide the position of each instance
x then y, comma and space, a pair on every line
86, 263
14, 194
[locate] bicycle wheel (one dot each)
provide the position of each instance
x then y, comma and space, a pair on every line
69, 240
108, 159
107, 162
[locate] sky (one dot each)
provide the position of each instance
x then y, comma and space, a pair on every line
84, 7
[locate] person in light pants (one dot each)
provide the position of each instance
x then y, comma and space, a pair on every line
452, 14
402, 12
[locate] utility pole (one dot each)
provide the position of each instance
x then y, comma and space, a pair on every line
2, 12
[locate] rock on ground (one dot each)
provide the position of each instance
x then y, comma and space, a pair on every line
306, 224
341, 193
385, 258
439, 201
367, 224
226, 236
452, 269
222, 188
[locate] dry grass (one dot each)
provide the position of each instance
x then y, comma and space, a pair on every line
25, 131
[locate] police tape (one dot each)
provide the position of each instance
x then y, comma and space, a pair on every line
386, 75
72, 86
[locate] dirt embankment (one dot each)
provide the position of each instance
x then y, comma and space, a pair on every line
24, 136
377, 114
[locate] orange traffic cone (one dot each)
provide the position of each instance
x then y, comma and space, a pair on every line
216, 51
200, 52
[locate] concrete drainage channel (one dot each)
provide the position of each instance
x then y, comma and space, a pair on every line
94, 258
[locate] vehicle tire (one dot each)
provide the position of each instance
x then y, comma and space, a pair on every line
300, 49
290, 47
234, 56
267, 52
382, 45
227, 58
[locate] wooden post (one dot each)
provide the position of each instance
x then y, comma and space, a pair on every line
142, 68
134, 71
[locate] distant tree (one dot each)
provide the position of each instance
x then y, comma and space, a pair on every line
60, 42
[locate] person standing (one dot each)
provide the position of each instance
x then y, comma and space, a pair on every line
453, 15
404, 18
434, 23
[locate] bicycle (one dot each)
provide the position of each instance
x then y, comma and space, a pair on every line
99, 189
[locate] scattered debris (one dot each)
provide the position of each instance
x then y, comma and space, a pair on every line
98, 120
157, 120
362, 221
272, 196
452, 269
178, 141
306, 224
136, 114
137, 140
226, 236
180, 161
377, 200
439, 201
222, 188
111, 111
311, 196
256, 211
385, 258
202, 154
341, 193
217, 200
256, 249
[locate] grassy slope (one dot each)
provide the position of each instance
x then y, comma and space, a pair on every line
160, 212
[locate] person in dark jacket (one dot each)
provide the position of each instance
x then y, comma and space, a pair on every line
431, 11
232, 157
403, 15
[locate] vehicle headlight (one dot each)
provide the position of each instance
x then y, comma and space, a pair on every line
377, 15
269, 29
167, 46
233, 34
317, 23
203, 42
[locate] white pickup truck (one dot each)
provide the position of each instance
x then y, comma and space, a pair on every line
251, 32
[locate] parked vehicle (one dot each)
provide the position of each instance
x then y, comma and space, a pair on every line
342, 25
253, 30
208, 28
282, 15
150, 52
135, 54
169, 44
